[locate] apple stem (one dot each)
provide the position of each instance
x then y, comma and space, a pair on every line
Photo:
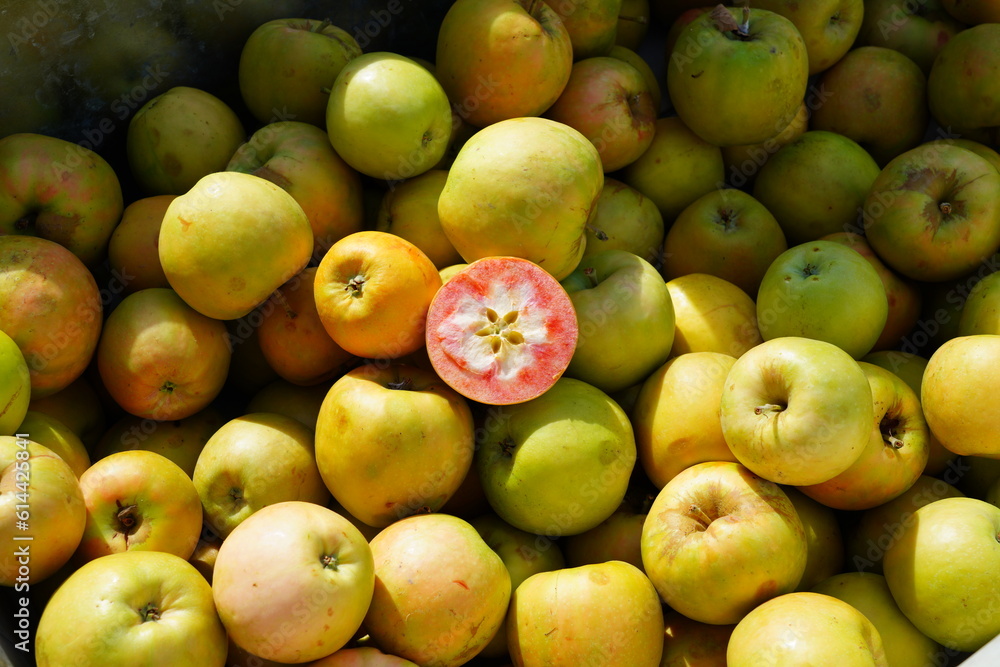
599, 233
635, 19
768, 407
591, 275
533, 6
744, 28
699, 513
322, 25
893, 441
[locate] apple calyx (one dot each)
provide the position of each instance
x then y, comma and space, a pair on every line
168, 387
507, 446
768, 407
500, 330
945, 208
356, 286
727, 218
149, 612
330, 562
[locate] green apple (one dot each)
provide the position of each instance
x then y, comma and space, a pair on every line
410, 210
738, 77
129, 608
293, 560
49, 432
944, 572
558, 464
633, 23
815, 185
824, 539
388, 117
918, 30
719, 540
712, 315
828, 27
825, 291
964, 80
15, 385
592, 25
625, 317
797, 411
630, 55
806, 628
981, 312
878, 528
689, 643
869, 593
625, 220
896, 453
604, 613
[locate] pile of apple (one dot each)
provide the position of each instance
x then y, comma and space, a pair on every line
506, 359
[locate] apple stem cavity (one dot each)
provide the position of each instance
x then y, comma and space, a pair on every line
698, 513
768, 408
126, 519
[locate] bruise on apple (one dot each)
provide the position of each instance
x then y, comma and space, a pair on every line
501, 331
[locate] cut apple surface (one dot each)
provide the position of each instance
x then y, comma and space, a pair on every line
501, 331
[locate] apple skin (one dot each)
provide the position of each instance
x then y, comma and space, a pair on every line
689, 643
283, 397
822, 290
806, 627
78, 407
896, 453
133, 249
625, 317
960, 371
963, 79
254, 461
362, 656
606, 613
719, 540
631, 56
797, 411
298, 158
92, 618
828, 28
532, 443
735, 91
815, 184
981, 312
951, 600
180, 136
725, 233
625, 219
875, 96
744, 161
138, 501
378, 86
15, 385
918, 30
712, 315
49, 432
869, 593
410, 210
609, 102
286, 63
499, 60
973, 13
293, 560
60, 191
592, 25
824, 538
676, 415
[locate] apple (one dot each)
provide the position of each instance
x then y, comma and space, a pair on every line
135, 606
179, 137
676, 415
825, 291
981, 312
609, 102
815, 184
980, 149
903, 296
869, 593
719, 541
689, 643
603, 613
298, 158
743, 161
558, 464
15, 388
133, 250
49, 432
633, 23
712, 315
292, 582
78, 407
283, 397
878, 528
40, 500
964, 78
288, 64
180, 440
592, 25
138, 501
896, 453
625, 319
959, 372
441, 593
631, 56
797, 411
523, 554
499, 60
409, 210
918, 30
525, 187
292, 336
254, 461
973, 13
824, 538
725, 233
746, 79
951, 600
362, 656
625, 220
59, 191
875, 96
372, 291
806, 627
388, 117
501, 331
230, 241
51, 307
828, 28
393, 440
161, 359
676, 169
